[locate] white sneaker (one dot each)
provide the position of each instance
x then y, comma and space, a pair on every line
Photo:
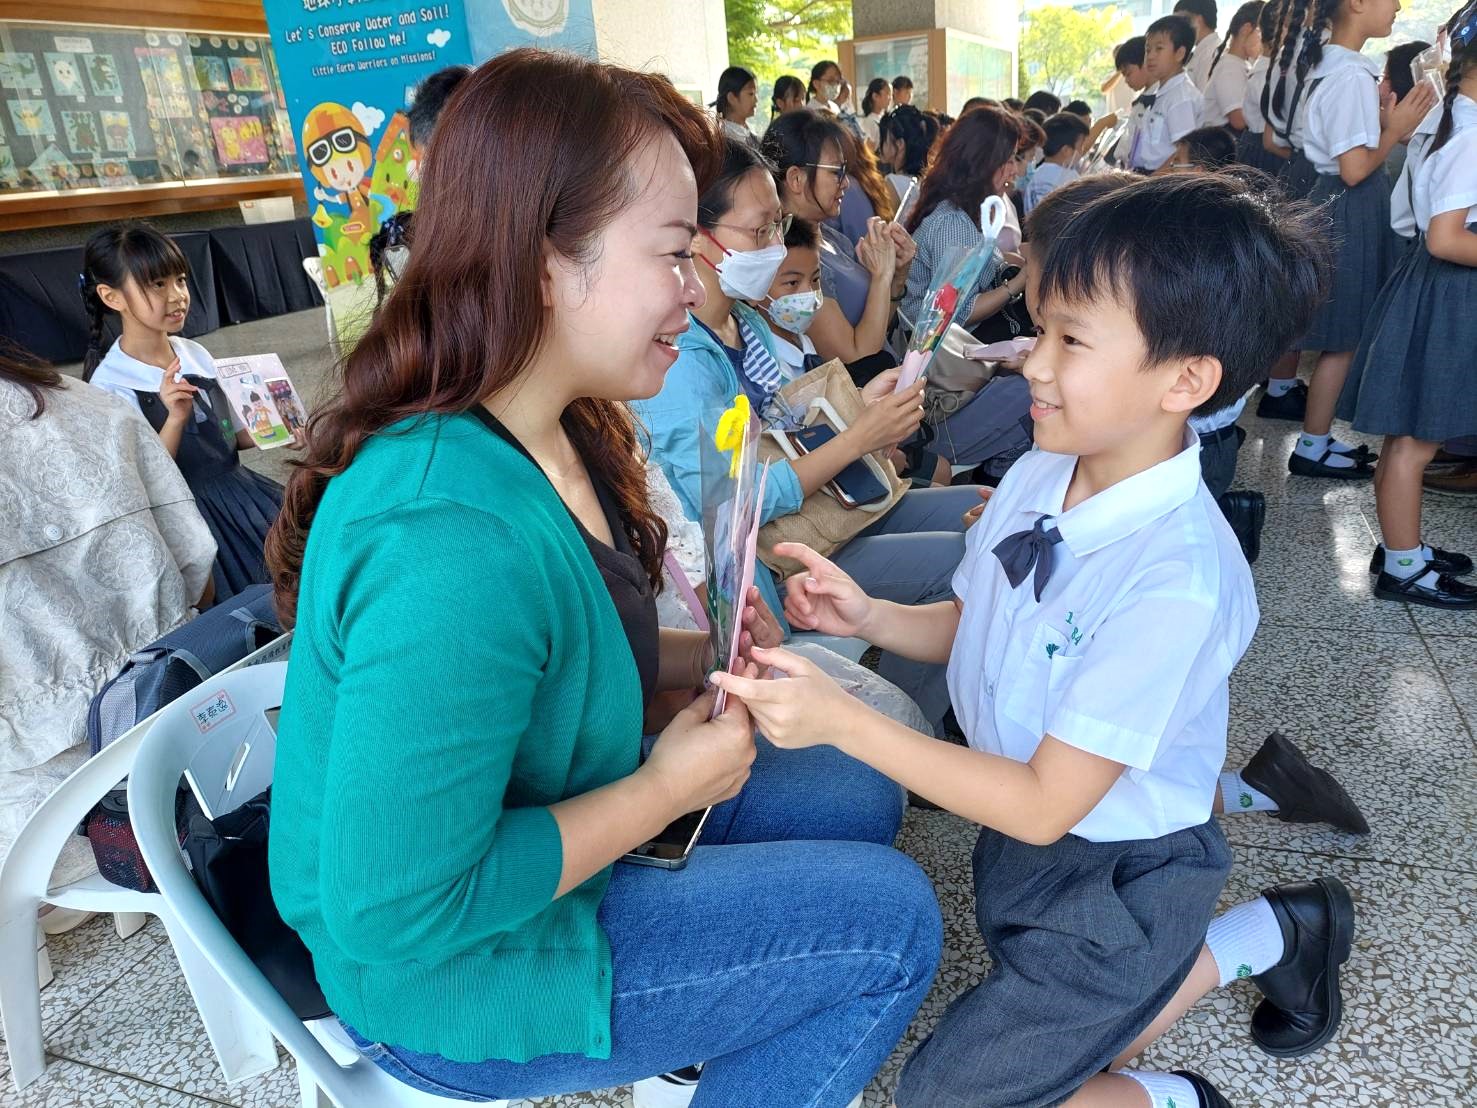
667, 1090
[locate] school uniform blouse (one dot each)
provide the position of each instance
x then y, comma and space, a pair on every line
1174, 114
1402, 200
1202, 58
1447, 180
1251, 100
1136, 112
871, 128
940, 237
1343, 112
1048, 176
1225, 90
1149, 607
740, 132
121, 373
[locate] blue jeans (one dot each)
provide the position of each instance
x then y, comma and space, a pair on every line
787, 957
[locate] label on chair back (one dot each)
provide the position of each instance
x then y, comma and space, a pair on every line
213, 710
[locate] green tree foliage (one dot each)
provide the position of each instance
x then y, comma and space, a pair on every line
773, 37
1070, 52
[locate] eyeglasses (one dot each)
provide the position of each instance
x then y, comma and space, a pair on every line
342, 141
765, 233
839, 170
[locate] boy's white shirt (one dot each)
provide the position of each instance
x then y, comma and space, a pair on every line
1251, 102
1176, 112
1136, 113
1402, 211
1048, 176
1149, 608
1343, 112
121, 373
792, 357
1225, 90
1202, 59
1447, 178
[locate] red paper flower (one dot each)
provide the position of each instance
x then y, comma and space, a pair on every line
946, 299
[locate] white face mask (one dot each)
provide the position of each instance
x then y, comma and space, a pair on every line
796, 311
747, 274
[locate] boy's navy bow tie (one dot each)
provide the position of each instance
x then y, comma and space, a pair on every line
1146, 99
1027, 550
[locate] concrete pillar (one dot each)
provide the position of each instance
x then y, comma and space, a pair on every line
953, 49
687, 40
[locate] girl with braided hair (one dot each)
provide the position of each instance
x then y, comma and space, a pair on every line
1280, 100
1411, 377
140, 274
1249, 148
1346, 134
1230, 69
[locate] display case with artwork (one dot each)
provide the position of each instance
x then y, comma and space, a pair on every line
94, 107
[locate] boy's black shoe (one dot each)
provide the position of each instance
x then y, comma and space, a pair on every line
1451, 593
1207, 1094
1442, 561
1303, 792
1245, 511
1300, 466
1292, 404
1303, 1005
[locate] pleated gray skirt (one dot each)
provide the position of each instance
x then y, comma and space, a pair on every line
1250, 151
1415, 372
1366, 251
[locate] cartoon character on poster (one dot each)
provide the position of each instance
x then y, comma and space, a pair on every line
19, 72
66, 75
102, 74
288, 404
338, 153
81, 128
239, 141
248, 75
212, 73
117, 133
394, 164
32, 117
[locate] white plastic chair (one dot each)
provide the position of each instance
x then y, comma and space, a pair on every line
313, 266
327, 1061
242, 1043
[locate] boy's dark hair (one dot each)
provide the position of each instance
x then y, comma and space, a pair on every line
1062, 130
976, 102
1035, 115
1129, 53
916, 131
803, 234
1049, 103
902, 80
431, 96
1180, 33
1230, 272
739, 158
1397, 67
111, 257
1078, 108
1056, 209
1210, 148
1205, 9
1014, 104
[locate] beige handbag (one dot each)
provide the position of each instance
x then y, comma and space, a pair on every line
823, 523
953, 379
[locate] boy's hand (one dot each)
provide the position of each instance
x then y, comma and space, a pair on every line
972, 516
823, 598
178, 396
807, 708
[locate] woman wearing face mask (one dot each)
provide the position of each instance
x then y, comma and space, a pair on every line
861, 281
729, 348
470, 556
825, 87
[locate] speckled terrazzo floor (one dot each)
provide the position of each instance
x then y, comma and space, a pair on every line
1397, 725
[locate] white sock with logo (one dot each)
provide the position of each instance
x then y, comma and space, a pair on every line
1281, 386
1166, 1090
1405, 564
1238, 796
1246, 940
1314, 446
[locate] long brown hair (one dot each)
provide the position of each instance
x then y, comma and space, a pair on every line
964, 168
508, 178
861, 163
20, 369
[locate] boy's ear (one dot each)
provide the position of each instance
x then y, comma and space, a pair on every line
1194, 384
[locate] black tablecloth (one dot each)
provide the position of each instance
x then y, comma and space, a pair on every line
259, 270
41, 303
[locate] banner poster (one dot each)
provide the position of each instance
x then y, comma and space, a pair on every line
349, 69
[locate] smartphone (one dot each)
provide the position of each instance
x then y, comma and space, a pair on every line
854, 485
673, 846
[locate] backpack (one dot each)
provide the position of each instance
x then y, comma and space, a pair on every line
153, 677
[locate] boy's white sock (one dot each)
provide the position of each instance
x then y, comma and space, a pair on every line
1315, 446
1405, 564
1238, 796
1245, 941
1281, 386
1166, 1090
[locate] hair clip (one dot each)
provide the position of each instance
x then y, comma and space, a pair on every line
1464, 34
82, 282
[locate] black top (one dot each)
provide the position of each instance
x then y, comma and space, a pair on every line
207, 448
620, 569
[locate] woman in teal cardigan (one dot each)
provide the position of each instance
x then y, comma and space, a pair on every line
469, 558
909, 556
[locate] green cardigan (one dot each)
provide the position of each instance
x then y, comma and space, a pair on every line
458, 666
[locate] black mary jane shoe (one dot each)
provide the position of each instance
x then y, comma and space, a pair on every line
1291, 405
1300, 466
1442, 561
1206, 1093
1451, 593
1303, 792
1302, 1005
